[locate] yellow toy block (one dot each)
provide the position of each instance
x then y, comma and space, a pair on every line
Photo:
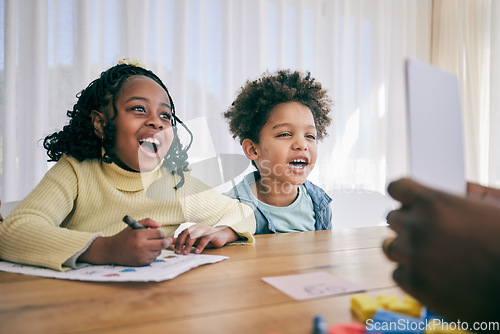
385, 301
414, 305
403, 308
363, 306
409, 306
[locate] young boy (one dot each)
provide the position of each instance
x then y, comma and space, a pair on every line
278, 119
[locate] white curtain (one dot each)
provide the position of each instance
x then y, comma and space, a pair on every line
204, 50
465, 41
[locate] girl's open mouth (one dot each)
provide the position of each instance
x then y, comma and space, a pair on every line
150, 145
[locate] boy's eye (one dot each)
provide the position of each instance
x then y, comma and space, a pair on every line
286, 134
313, 137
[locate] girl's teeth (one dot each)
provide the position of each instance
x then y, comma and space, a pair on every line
151, 140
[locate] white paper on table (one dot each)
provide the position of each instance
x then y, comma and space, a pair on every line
312, 285
166, 266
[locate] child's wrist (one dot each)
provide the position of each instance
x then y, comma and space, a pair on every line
97, 252
231, 235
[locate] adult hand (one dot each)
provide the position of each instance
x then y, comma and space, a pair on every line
448, 251
487, 194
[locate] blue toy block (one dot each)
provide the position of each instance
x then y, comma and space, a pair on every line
387, 322
429, 314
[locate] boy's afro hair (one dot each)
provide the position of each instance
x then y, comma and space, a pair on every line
251, 108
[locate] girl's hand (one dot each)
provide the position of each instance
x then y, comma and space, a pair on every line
129, 247
201, 236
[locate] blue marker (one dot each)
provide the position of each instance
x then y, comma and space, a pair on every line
319, 325
132, 223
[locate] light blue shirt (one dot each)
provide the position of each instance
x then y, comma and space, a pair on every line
321, 204
296, 217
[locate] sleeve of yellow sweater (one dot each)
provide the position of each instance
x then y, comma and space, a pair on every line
32, 233
207, 206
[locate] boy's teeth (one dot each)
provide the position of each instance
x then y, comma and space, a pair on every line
298, 163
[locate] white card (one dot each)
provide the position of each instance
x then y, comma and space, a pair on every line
435, 127
312, 285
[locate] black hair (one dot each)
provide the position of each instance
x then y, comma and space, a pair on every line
251, 109
78, 139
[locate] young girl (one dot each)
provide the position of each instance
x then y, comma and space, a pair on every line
121, 141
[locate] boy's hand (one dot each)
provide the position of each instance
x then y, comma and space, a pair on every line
201, 236
129, 247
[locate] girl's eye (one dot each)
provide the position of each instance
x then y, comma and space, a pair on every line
313, 137
166, 116
139, 108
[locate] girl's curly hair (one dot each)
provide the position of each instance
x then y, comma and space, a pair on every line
250, 110
77, 138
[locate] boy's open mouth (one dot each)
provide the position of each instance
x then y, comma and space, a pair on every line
298, 163
150, 144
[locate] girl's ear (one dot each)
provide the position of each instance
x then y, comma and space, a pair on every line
98, 122
250, 149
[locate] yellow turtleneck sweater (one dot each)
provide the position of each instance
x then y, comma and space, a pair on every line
77, 201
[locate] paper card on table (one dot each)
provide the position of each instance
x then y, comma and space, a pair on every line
166, 266
312, 285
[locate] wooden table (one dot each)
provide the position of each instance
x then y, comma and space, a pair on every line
226, 297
